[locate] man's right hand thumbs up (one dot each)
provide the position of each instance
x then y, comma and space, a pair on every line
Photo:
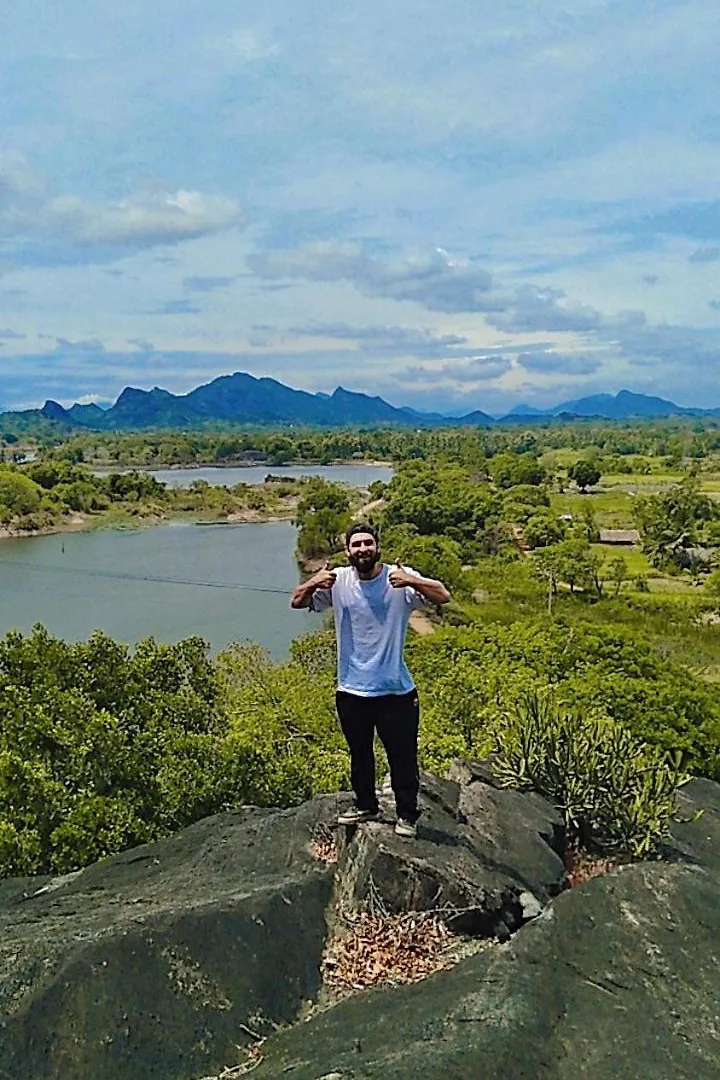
325, 577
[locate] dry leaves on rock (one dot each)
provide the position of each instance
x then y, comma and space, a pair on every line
233, 1072
581, 866
381, 949
323, 844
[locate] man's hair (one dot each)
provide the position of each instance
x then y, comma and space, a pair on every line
362, 527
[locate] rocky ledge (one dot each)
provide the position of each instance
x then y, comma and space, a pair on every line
219, 951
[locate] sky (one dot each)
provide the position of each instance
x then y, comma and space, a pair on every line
457, 206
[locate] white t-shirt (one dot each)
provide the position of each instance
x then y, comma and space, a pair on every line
371, 619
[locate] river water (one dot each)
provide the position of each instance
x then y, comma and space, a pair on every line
356, 475
224, 582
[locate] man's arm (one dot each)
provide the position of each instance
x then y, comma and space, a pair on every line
301, 596
429, 588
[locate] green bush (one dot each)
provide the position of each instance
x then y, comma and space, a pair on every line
615, 792
322, 516
432, 556
17, 492
285, 713
102, 747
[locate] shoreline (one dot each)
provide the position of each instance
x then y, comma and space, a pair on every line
89, 523
175, 467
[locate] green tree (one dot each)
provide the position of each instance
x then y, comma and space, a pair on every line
586, 527
585, 474
618, 572
18, 493
434, 556
669, 522
543, 529
521, 502
510, 470
322, 516
438, 499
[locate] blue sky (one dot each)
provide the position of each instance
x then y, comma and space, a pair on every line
459, 205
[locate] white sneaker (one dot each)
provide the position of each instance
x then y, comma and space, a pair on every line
408, 829
353, 816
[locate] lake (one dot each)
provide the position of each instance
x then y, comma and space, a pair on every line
356, 475
226, 583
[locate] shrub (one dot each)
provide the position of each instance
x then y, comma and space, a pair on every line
102, 748
615, 792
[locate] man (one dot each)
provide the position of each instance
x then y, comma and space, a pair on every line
372, 603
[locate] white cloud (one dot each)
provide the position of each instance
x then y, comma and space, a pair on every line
433, 279
144, 219
394, 339
479, 369
91, 345
248, 46
549, 362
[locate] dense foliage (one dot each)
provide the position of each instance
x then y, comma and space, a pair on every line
673, 522
628, 446
49, 492
322, 516
104, 746
101, 748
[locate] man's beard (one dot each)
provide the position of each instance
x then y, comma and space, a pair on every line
364, 561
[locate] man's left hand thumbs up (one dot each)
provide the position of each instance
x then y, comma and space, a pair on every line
398, 577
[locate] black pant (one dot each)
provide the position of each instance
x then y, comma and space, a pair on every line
396, 718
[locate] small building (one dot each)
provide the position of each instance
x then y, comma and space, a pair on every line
622, 537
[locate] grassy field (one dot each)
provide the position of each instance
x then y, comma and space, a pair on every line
612, 509
645, 483
635, 560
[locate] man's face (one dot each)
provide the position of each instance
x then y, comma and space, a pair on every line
362, 551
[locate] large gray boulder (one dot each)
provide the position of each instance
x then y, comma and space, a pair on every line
163, 961
489, 856
618, 978
174, 959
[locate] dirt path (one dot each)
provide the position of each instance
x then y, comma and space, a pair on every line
368, 508
422, 623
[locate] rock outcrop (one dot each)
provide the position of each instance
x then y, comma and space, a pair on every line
172, 960
163, 961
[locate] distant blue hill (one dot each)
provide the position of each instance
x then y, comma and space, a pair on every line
624, 405
242, 398
526, 410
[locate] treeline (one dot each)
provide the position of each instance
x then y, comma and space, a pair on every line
103, 747
618, 447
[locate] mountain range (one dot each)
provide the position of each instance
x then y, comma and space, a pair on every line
244, 399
